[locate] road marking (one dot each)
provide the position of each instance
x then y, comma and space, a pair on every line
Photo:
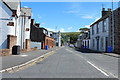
98, 68
101, 70
76, 54
29, 63
23, 55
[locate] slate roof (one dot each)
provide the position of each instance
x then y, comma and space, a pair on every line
13, 4
28, 11
101, 19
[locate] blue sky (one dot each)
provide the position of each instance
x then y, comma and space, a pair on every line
66, 16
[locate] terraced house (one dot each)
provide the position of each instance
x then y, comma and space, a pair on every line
15, 26
10, 26
105, 32
40, 37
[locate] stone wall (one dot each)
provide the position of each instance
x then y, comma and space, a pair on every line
4, 52
27, 46
50, 42
11, 40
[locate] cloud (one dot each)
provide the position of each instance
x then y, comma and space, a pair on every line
70, 28
62, 30
87, 26
87, 17
72, 11
39, 17
26, 7
50, 29
43, 23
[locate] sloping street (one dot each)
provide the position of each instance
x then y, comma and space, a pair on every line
69, 63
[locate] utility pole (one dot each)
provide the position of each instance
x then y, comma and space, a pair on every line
112, 27
56, 28
112, 5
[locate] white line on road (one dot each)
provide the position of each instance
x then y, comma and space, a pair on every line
98, 68
89, 63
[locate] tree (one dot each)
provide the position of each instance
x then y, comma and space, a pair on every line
73, 36
82, 30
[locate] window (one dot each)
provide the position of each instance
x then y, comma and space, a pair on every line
27, 29
10, 24
93, 42
97, 28
104, 26
102, 43
92, 30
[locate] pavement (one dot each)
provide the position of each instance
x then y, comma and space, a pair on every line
15, 60
83, 50
70, 63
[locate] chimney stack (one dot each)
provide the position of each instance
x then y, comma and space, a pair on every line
32, 21
103, 9
109, 9
104, 12
37, 24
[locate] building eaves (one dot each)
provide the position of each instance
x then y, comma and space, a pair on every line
6, 5
26, 11
13, 4
101, 19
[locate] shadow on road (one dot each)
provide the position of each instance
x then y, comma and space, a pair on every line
83, 50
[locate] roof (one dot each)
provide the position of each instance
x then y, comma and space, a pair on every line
104, 17
43, 28
13, 4
27, 11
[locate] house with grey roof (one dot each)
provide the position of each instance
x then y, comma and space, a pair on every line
25, 23
5, 19
11, 7
99, 32
17, 21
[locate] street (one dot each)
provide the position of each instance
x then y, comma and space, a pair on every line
69, 63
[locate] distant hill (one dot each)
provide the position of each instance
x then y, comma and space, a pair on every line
70, 36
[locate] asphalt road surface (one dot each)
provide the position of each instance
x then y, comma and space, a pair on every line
69, 63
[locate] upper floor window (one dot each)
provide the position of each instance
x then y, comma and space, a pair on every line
97, 31
92, 30
104, 26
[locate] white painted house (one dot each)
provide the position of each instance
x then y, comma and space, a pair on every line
25, 23
5, 18
15, 25
15, 7
83, 40
99, 32
57, 37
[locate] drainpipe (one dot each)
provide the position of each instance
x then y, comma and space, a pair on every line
24, 31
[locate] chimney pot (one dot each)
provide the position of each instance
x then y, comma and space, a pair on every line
109, 9
103, 9
37, 24
32, 21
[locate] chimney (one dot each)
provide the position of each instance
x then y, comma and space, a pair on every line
37, 24
32, 21
109, 9
103, 9
104, 12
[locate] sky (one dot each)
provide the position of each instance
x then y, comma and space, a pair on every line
66, 16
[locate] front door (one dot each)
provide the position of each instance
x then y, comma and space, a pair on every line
98, 44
